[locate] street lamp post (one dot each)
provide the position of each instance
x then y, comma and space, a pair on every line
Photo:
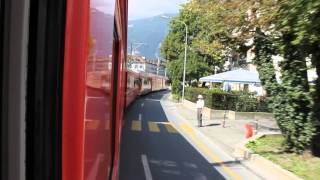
185, 53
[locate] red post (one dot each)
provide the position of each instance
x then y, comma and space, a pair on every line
249, 131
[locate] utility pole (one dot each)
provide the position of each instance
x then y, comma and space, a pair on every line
158, 64
135, 46
185, 53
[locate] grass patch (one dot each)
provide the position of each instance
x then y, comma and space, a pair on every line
305, 165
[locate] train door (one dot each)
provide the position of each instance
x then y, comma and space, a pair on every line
116, 73
3, 125
13, 67
32, 48
44, 89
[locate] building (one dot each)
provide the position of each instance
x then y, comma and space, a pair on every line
141, 64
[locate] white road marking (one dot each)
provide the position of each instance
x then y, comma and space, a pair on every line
146, 167
142, 104
140, 116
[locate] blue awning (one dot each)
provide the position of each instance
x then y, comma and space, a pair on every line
235, 76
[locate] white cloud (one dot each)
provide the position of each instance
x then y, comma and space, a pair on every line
105, 6
147, 8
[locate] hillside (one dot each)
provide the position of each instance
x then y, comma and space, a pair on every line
150, 31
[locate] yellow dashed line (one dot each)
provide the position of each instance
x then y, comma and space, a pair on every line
136, 125
170, 128
153, 127
189, 130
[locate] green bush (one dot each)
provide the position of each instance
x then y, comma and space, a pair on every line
220, 100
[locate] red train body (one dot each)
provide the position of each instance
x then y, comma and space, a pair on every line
143, 83
91, 140
77, 90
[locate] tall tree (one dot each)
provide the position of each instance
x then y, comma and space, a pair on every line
213, 35
302, 20
288, 33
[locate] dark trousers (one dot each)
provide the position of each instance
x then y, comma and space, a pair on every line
199, 116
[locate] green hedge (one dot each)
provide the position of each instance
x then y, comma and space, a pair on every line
220, 100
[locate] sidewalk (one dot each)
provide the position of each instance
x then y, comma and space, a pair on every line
226, 137
206, 140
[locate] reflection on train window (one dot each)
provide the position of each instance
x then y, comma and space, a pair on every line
145, 81
130, 82
137, 82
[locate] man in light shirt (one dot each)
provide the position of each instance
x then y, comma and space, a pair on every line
200, 105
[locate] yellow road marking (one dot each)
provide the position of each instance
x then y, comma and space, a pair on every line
189, 130
170, 128
136, 125
153, 127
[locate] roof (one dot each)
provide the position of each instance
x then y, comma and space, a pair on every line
236, 76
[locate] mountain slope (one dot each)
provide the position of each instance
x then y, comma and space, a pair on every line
150, 31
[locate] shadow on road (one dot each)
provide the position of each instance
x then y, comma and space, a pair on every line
169, 154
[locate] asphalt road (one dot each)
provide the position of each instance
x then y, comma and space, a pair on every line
152, 149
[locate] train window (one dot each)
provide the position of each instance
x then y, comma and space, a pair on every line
145, 81
130, 82
137, 82
13, 66
44, 90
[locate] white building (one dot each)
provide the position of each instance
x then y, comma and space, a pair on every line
141, 64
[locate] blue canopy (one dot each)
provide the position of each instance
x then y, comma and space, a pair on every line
235, 76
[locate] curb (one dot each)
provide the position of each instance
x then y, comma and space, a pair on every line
261, 165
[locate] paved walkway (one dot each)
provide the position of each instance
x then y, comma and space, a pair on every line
226, 137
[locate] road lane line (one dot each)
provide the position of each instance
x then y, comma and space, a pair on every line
189, 130
136, 125
153, 127
146, 167
140, 116
170, 128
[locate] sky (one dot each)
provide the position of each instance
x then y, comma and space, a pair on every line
139, 9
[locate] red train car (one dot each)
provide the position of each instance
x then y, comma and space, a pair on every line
63, 83
134, 84
146, 83
158, 82
142, 83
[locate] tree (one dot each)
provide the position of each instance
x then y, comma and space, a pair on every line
289, 34
210, 40
219, 30
301, 26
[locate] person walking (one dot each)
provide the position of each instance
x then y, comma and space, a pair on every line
200, 105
